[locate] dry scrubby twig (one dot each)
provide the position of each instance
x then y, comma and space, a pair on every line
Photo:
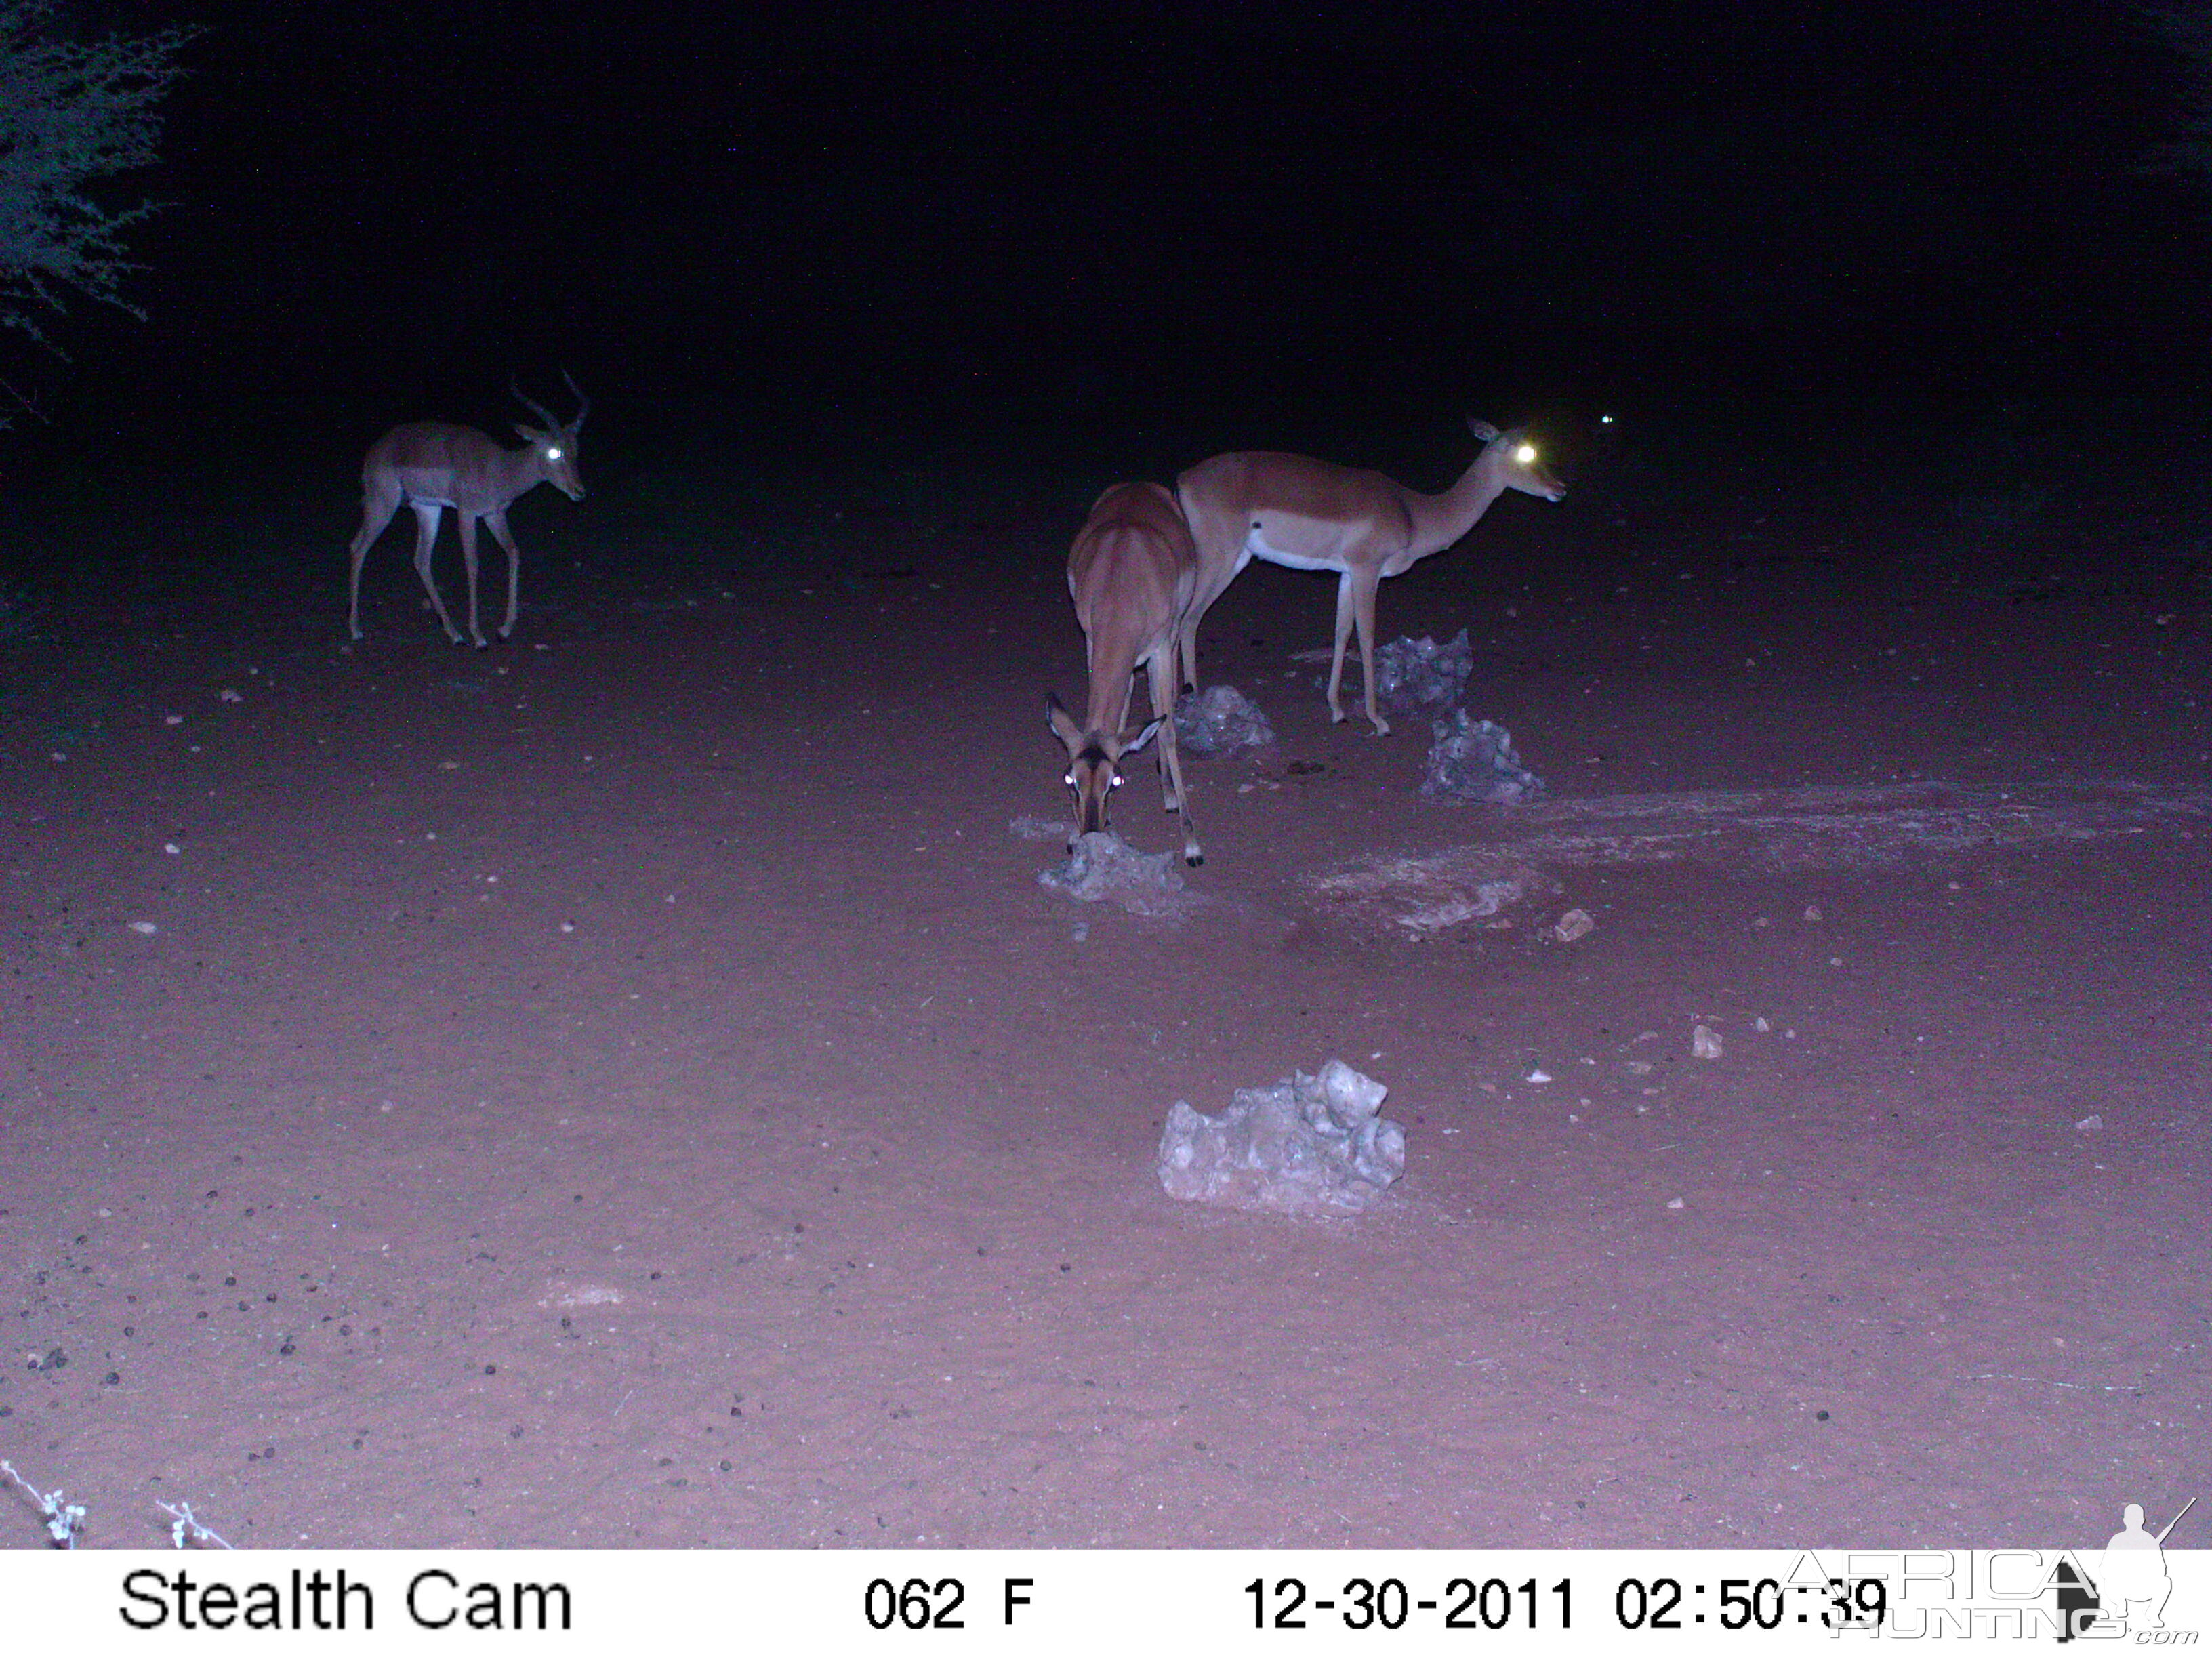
63, 1519
188, 1524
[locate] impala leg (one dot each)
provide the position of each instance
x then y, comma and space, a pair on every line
1163, 676
496, 523
1185, 632
426, 537
1222, 552
1160, 682
1120, 722
1362, 584
377, 507
1343, 634
1201, 601
469, 564
1187, 645
1204, 591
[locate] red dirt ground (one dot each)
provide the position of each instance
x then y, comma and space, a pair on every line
627, 1087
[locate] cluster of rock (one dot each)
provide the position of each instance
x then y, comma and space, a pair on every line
1309, 1145
1473, 760
1102, 868
1221, 720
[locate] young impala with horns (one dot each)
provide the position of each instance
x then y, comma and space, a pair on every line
1131, 572
1312, 515
431, 465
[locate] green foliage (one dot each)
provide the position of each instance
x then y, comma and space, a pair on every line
2186, 29
71, 114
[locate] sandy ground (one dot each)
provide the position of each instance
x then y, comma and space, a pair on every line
629, 1087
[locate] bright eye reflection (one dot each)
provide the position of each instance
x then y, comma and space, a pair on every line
552, 454
1525, 454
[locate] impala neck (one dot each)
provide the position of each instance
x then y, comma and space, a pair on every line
518, 469
1440, 520
1113, 661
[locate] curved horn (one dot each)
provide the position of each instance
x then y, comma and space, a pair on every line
532, 405
583, 404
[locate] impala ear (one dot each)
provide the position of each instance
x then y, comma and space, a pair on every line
530, 434
1143, 735
1062, 723
1484, 432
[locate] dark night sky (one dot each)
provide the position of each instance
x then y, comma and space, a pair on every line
904, 227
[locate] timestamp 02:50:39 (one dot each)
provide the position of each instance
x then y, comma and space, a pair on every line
1469, 1603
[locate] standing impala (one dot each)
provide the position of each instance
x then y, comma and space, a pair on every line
1131, 572
431, 465
1312, 515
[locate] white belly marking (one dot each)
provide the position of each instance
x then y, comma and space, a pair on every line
1256, 545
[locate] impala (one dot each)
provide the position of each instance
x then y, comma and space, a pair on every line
431, 465
1313, 515
1131, 572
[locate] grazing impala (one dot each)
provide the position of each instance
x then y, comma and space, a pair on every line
431, 465
1131, 572
1311, 515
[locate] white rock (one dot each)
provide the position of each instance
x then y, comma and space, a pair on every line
1102, 866
1309, 1145
1572, 926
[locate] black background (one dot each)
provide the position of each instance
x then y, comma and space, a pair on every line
994, 233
